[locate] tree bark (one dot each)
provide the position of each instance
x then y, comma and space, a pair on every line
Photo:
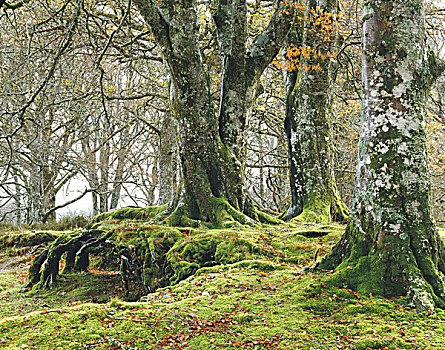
241, 73
391, 242
309, 82
168, 167
209, 148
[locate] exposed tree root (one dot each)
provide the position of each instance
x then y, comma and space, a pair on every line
224, 215
152, 256
44, 269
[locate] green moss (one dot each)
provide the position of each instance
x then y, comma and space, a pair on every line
316, 211
130, 214
27, 238
223, 305
372, 343
269, 219
259, 265
234, 250
365, 276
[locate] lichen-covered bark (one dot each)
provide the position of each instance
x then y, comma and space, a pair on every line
193, 109
242, 66
314, 195
231, 22
391, 242
211, 145
169, 178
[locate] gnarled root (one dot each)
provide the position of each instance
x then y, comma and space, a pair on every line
44, 269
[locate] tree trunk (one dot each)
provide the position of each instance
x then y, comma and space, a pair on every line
391, 242
209, 151
309, 82
241, 73
18, 199
48, 194
91, 171
104, 157
168, 167
118, 178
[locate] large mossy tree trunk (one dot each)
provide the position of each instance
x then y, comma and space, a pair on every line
391, 242
211, 144
309, 81
169, 172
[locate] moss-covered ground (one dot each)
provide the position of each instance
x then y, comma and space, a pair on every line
261, 299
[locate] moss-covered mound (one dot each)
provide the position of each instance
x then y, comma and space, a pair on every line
162, 256
249, 292
129, 213
26, 239
149, 256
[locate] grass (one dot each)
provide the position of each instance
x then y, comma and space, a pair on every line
263, 301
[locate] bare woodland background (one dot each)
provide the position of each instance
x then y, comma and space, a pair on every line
85, 114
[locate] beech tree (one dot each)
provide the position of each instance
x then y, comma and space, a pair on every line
309, 77
391, 246
212, 144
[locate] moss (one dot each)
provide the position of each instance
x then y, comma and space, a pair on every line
372, 343
226, 215
180, 218
234, 250
222, 305
339, 210
269, 219
130, 214
316, 211
364, 276
27, 238
259, 265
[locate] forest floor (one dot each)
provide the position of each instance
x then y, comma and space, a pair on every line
250, 304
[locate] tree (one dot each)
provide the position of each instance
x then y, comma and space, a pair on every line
309, 75
71, 112
391, 246
211, 146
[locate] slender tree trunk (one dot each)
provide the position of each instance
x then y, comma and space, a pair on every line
391, 241
33, 195
314, 195
48, 194
104, 175
119, 174
18, 199
91, 171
